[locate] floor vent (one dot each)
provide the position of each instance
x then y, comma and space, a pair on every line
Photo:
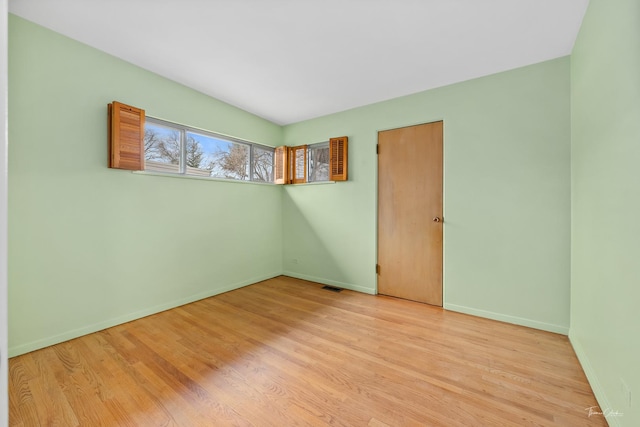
332, 288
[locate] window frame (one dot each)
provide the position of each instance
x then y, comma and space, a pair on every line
182, 166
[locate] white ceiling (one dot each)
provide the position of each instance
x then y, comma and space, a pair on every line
291, 60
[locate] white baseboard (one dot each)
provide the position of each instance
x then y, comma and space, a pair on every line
330, 282
598, 391
75, 333
558, 329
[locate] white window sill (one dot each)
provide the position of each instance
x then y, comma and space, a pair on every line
232, 181
312, 183
201, 178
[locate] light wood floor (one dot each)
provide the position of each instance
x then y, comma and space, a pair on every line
284, 352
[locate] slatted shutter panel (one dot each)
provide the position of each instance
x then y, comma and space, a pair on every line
338, 150
126, 137
299, 164
290, 165
281, 171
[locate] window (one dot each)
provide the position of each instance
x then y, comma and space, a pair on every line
139, 143
318, 162
172, 148
221, 158
325, 161
162, 148
262, 164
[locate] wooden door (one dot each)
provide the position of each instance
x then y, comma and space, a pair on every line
410, 213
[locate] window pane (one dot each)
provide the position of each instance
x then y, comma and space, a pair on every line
262, 164
199, 154
319, 162
300, 164
174, 148
161, 148
217, 157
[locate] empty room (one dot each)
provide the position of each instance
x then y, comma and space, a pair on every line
353, 213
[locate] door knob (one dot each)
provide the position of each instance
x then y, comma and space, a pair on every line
436, 219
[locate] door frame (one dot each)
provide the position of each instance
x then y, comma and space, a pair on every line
444, 197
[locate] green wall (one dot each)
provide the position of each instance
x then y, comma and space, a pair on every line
605, 291
506, 189
90, 247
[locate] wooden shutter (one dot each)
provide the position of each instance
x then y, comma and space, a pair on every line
290, 165
338, 150
281, 170
299, 164
126, 137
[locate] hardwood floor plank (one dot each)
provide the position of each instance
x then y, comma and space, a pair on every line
272, 375
381, 370
53, 408
284, 352
79, 393
20, 395
128, 402
250, 375
160, 374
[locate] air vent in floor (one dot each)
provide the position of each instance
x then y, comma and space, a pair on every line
332, 288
